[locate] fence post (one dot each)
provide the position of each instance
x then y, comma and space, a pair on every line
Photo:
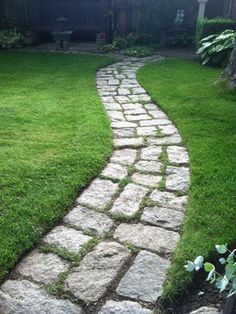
202, 7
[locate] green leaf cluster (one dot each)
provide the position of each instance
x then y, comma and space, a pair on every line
216, 49
11, 38
227, 281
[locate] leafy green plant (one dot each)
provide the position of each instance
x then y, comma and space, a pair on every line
207, 27
139, 52
11, 38
120, 42
227, 281
216, 49
108, 48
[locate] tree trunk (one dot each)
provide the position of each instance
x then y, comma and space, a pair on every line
230, 71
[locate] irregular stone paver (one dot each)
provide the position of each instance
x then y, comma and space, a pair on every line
177, 155
132, 106
123, 307
122, 99
129, 200
128, 142
116, 115
141, 132
123, 91
167, 199
145, 278
113, 82
124, 156
169, 129
127, 132
177, 178
151, 106
98, 194
155, 122
140, 98
113, 106
138, 90
146, 179
147, 131
135, 111
122, 125
24, 297
115, 171
41, 267
90, 281
147, 237
137, 117
151, 153
67, 238
166, 140
163, 217
89, 220
148, 166
206, 310
157, 114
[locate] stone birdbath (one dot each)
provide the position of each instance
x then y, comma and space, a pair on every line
62, 37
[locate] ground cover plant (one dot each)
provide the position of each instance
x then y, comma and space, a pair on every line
206, 118
54, 138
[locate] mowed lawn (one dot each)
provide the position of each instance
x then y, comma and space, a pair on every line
54, 138
206, 119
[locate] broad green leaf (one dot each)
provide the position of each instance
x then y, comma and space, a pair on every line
233, 289
221, 249
230, 270
206, 60
222, 283
211, 276
231, 257
198, 262
208, 267
190, 266
222, 260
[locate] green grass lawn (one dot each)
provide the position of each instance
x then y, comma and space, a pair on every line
54, 138
206, 118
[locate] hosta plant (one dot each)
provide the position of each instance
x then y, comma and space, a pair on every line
225, 281
216, 49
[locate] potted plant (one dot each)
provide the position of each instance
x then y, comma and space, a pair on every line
223, 282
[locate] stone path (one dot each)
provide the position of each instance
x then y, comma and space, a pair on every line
112, 251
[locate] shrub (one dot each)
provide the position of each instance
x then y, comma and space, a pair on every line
215, 49
11, 38
122, 42
108, 48
139, 52
207, 27
227, 281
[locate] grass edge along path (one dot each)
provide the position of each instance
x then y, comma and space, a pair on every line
206, 119
54, 138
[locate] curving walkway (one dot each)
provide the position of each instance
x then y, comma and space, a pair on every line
112, 252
